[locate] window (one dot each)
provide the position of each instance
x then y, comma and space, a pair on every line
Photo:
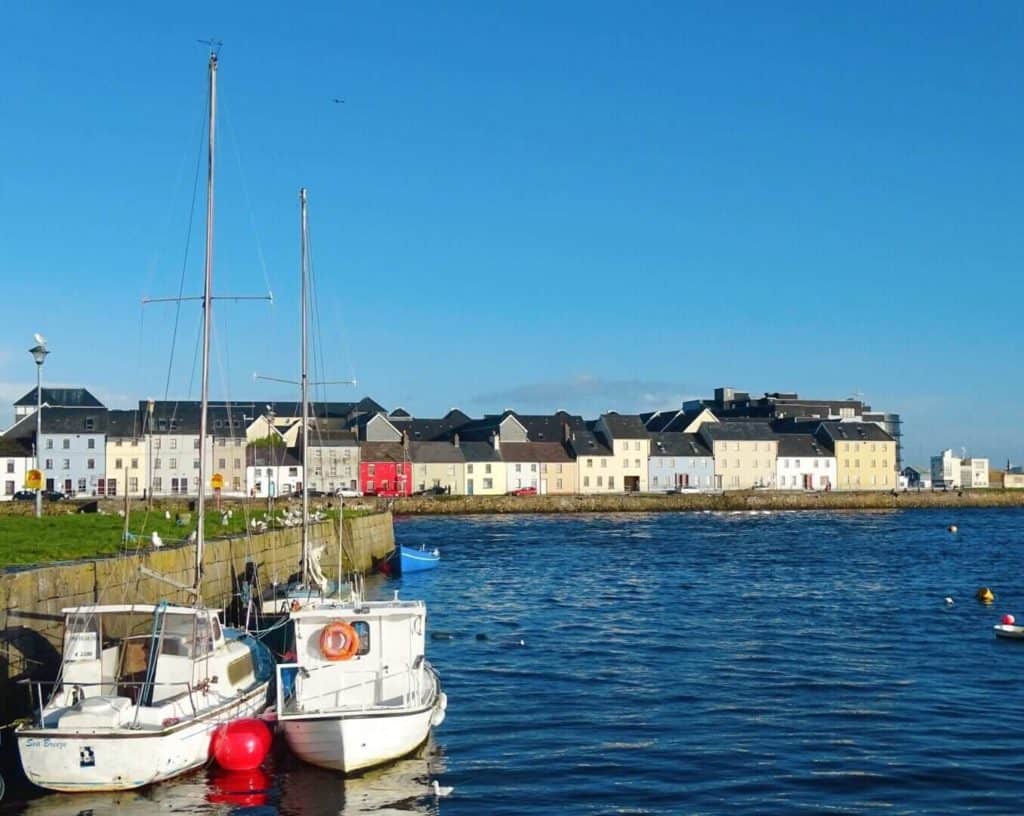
238, 463
9, 488
469, 468
118, 464
558, 469
157, 484
600, 481
90, 423
293, 472
49, 444
370, 468
611, 482
82, 485
174, 444
117, 444
90, 464
10, 466
487, 469
519, 468
636, 463
451, 470
586, 481
362, 629
625, 463
369, 486
604, 463
636, 445
797, 463
195, 443
48, 465
174, 463
222, 463
156, 463
533, 468
558, 483
195, 464
66, 464
133, 485
91, 444
66, 444
135, 463
488, 483
156, 444
590, 463
236, 483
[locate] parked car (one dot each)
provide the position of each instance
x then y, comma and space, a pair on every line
53, 495
348, 493
24, 495
436, 490
523, 491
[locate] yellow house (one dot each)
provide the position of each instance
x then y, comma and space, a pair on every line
437, 466
595, 463
865, 455
631, 447
745, 451
484, 469
127, 454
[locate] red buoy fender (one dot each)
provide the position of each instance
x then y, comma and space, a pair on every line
241, 745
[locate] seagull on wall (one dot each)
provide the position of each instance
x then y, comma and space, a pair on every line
441, 790
157, 541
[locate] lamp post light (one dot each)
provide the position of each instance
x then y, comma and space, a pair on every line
39, 352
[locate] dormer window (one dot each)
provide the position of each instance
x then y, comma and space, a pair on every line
90, 423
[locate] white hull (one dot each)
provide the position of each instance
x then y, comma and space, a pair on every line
353, 742
1009, 630
111, 759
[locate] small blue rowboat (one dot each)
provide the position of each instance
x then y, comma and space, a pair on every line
409, 559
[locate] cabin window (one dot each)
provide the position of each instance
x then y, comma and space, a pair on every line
362, 629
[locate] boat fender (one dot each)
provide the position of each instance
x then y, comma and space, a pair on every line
296, 606
1009, 620
985, 595
338, 641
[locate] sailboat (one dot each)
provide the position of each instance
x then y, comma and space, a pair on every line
142, 687
360, 691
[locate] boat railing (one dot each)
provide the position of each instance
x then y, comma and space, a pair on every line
356, 684
38, 699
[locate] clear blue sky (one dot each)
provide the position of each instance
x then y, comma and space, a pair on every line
531, 205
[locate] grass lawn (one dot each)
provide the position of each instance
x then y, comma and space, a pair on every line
27, 540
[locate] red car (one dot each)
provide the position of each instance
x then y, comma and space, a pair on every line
524, 491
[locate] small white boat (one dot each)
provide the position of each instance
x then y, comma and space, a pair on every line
360, 692
141, 689
1008, 630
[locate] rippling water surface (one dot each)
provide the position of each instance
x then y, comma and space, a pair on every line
690, 663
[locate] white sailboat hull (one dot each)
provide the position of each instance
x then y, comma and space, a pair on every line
353, 742
112, 759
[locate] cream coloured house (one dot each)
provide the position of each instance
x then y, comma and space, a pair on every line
437, 466
630, 443
127, 452
745, 453
595, 462
484, 470
865, 455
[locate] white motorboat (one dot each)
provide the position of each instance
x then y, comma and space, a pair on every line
360, 692
142, 687
1008, 630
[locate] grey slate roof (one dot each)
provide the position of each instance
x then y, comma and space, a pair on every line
534, 452
674, 443
72, 421
123, 424
382, 452
587, 443
802, 445
479, 452
62, 398
435, 453
739, 430
271, 456
625, 426
853, 432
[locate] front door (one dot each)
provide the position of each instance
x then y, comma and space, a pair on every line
469, 487
49, 484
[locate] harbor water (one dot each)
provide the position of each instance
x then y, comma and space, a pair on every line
698, 663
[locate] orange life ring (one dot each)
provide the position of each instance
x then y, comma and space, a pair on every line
338, 641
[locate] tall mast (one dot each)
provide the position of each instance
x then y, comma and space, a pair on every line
304, 386
207, 308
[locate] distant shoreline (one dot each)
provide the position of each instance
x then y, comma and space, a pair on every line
696, 502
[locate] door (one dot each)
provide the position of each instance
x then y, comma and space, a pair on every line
469, 487
49, 484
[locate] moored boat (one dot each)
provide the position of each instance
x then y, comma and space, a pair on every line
361, 691
409, 559
1008, 630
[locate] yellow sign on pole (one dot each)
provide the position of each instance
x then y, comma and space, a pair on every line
216, 481
34, 479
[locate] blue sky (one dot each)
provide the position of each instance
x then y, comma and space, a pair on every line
530, 205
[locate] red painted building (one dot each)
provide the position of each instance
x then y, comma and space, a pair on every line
384, 469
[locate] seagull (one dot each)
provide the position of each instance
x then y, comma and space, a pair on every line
167, 514
155, 538
338, 101
949, 601
192, 537
439, 790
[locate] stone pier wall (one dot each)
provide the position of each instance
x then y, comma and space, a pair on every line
31, 600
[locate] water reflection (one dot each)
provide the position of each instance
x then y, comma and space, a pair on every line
284, 786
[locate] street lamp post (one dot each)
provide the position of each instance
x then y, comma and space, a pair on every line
39, 352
